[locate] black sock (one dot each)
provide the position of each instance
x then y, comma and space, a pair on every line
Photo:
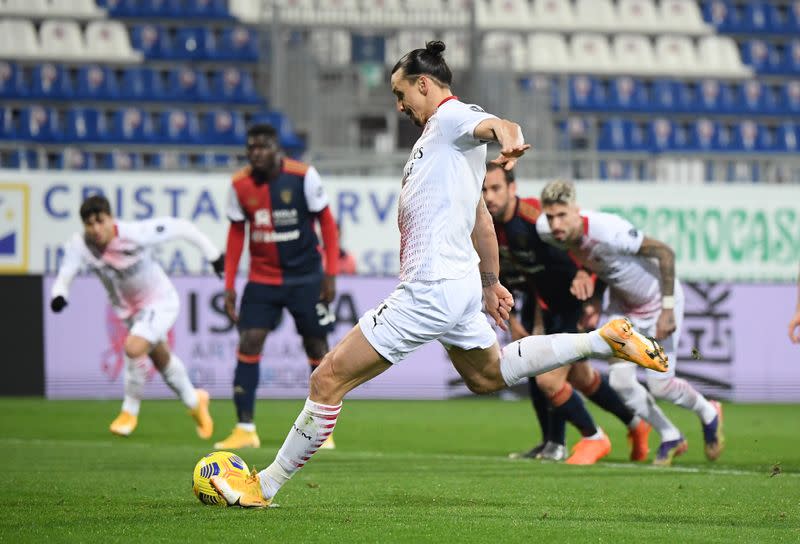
609, 400
245, 382
576, 413
558, 426
541, 406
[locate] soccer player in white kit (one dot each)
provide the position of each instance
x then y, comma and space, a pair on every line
448, 261
639, 273
119, 253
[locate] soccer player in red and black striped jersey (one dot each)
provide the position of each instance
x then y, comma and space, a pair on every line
279, 200
543, 277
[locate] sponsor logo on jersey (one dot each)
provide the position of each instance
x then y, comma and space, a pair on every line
262, 218
272, 236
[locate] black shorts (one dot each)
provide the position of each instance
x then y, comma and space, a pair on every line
564, 320
262, 307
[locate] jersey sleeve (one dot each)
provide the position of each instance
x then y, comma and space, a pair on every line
459, 122
164, 229
233, 208
316, 197
617, 232
70, 266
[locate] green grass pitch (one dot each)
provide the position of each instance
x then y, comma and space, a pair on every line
408, 471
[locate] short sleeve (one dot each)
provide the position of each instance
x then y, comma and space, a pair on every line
316, 197
233, 208
459, 122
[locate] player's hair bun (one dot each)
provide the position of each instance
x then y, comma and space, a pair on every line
436, 47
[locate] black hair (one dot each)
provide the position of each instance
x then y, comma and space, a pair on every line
509, 174
94, 205
428, 61
262, 129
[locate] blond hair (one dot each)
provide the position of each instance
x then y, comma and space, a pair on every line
558, 192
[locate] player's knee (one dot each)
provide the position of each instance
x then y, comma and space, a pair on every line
550, 383
136, 347
315, 348
482, 385
251, 341
323, 385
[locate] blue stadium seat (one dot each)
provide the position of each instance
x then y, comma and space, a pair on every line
714, 96
97, 83
194, 44
586, 94
132, 125
627, 94
616, 170
38, 124
171, 160
121, 8
142, 84
543, 85
161, 8
748, 136
217, 160
759, 17
721, 14
12, 84
24, 158
574, 133
791, 58
74, 159
224, 128
753, 97
178, 127
188, 85
234, 85
704, 135
787, 138
367, 48
8, 128
792, 22
790, 98
663, 135
153, 41
670, 96
120, 160
289, 140
85, 125
238, 43
211, 9
615, 135
51, 81
760, 56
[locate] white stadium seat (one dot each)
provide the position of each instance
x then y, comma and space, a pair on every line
27, 8
548, 53
18, 39
675, 55
72, 9
245, 10
503, 14
719, 56
595, 15
457, 52
637, 16
504, 50
405, 41
109, 40
682, 16
552, 15
633, 54
590, 54
331, 47
61, 39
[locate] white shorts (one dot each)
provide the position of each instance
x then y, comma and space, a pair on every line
154, 321
647, 326
416, 313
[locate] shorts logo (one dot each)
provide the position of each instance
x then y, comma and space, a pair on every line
286, 196
13, 227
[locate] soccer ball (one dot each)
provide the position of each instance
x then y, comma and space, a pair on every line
218, 463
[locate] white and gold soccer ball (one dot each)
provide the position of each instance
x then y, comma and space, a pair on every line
218, 463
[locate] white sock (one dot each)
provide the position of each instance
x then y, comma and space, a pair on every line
534, 355
311, 428
135, 376
681, 393
622, 378
249, 427
178, 380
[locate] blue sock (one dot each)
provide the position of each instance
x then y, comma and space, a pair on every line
245, 382
609, 400
541, 406
573, 410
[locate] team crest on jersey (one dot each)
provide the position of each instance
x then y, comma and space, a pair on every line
286, 196
262, 218
252, 201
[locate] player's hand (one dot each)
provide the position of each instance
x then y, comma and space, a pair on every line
498, 301
665, 324
582, 286
328, 291
58, 304
590, 317
794, 328
219, 266
230, 305
509, 155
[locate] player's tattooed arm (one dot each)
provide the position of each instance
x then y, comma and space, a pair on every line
666, 262
497, 299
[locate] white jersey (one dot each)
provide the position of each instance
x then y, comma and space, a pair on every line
442, 183
132, 278
608, 248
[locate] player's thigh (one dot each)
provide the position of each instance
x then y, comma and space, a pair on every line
552, 382
350, 363
581, 375
312, 318
151, 325
259, 313
480, 367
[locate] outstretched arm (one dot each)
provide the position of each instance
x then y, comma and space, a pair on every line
666, 264
497, 298
508, 134
70, 265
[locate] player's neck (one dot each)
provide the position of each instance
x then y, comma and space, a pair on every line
436, 97
511, 210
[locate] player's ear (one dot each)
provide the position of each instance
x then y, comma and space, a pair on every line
422, 85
